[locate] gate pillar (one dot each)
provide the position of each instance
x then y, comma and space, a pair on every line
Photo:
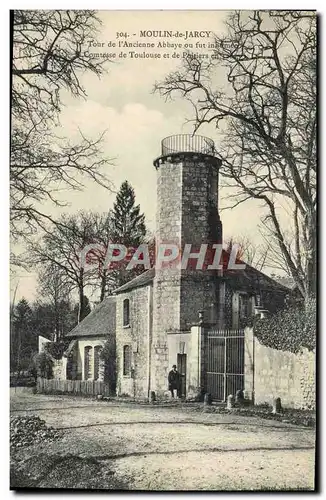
196, 363
249, 364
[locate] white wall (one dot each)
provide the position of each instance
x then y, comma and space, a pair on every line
81, 353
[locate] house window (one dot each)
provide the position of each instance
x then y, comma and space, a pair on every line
126, 312
126, 360
97, 361
88, 362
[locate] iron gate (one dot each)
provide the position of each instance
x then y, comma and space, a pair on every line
224, 362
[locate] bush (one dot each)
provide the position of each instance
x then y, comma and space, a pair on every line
43, 365
56, 349
290, 329
108, 355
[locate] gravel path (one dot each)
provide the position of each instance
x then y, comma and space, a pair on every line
121, 446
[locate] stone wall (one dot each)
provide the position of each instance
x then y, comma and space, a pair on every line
59, 370
138, 336
187, 213
271, 373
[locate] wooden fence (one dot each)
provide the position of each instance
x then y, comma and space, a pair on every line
77, 387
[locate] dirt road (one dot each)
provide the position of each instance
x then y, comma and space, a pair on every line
121, 446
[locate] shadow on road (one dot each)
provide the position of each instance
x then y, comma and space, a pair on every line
203, 450
229, 425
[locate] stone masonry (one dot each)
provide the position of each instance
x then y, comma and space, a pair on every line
187, 213
137, 335
271, 373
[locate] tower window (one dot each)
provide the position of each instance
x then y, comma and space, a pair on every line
126, 360
126, 312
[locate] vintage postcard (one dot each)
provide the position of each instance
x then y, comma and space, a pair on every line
163, 250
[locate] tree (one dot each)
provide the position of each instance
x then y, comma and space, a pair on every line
61, 250
48, 57
54, 288
128, 229
102, 225
53, 321
42, 365
85, 309
252, 254
128, 224
23, 341
267, 114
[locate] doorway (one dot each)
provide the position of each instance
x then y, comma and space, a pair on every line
182, 369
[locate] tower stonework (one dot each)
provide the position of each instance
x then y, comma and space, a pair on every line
187, 214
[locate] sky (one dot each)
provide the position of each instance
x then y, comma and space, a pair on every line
122, 103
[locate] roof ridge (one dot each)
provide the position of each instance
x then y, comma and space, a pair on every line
125, 286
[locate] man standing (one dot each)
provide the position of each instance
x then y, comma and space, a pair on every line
174, 382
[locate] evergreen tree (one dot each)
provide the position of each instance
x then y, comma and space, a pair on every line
129, 229
128, 224
23, 341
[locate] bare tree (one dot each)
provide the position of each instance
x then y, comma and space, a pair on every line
54, 287
103, 233
253, 254
267, 114
49, 56
60, 250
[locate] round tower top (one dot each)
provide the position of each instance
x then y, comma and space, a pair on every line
175, 147
187, 143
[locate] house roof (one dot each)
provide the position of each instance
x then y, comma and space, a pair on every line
286, 281
142, 280
251, 278
248, 278
99, 322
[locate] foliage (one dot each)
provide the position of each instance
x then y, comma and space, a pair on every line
44, 365
289, 329
128, 223
108, 355
259, 90
23, 340
56, 349
128, 228
53, 318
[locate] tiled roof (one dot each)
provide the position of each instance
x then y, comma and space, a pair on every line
141, 280
253, 279
249, 278
99, 322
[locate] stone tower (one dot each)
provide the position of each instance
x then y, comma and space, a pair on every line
187, 213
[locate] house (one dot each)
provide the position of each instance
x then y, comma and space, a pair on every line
141, 359
155, 311
87, 340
